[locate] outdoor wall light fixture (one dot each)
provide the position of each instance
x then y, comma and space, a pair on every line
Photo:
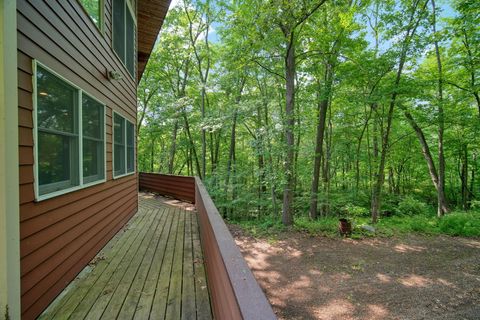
114, 75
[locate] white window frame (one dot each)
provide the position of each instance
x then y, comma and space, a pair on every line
101, 26
135, 40
126, 147
81, 185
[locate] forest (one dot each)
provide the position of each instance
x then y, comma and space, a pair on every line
301, 112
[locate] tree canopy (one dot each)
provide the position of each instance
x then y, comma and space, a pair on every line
317, 107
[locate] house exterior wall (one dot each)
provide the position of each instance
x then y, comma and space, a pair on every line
9, 220
60, 235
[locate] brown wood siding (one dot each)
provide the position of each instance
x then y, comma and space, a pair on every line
59, 236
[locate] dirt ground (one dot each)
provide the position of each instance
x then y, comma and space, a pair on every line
414, 277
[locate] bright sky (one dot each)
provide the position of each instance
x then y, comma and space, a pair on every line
174, 3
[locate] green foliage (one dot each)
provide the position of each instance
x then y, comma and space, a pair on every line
264, 226
404, 224
240, 107
454, 224
356, 211
461, 224
326, 226
411, 206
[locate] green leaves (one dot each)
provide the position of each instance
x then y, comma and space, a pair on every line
353, 45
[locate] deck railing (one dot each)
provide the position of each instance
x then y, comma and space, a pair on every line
234, 292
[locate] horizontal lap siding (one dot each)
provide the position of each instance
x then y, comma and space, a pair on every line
59, 236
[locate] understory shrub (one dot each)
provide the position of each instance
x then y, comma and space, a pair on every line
461, 224
356, 211
327, 226
411, 206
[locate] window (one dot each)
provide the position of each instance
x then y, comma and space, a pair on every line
124, 33
69, 136
93, 114
94, 8
123, 146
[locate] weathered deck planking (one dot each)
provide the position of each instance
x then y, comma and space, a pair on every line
152, 269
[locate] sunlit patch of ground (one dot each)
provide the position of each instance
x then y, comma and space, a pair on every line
411, 278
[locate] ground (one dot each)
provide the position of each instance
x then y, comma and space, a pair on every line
412, 277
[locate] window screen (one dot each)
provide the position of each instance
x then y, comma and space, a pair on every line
93, 139
57, 133
119, 28
130, 147
119, 145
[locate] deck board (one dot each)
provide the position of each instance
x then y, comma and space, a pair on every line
153, 268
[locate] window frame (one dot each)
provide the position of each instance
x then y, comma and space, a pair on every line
81, 185
132, 11
104, 129
101, 24
126, 147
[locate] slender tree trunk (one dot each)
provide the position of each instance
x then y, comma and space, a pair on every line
425, 148
380, 176
326, 168
473, 175
273, 191
204, 137
231, 152
323, 103
287, 212
464, 176
152, 154
441, 207
192, 145
173, 148
357, 155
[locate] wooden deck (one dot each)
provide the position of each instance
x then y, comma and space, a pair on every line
152, 269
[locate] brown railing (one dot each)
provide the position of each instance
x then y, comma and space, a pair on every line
234, 292
178, 187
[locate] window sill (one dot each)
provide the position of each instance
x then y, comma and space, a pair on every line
69, 190
123, 175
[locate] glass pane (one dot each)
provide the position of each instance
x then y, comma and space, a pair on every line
119, 28
130, 159
119, 159
56, 103
119, 144
57, 162
92, 114
93, 9
130, 44
93, 162
119, 129
130, 134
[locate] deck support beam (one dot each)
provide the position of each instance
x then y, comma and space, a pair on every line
9, 167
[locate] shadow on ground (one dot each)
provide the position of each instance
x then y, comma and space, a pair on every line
417, 277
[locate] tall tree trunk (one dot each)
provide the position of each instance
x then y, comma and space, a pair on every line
173, 148
204, 137
326, 167
192, 144
441, 201
425, 148
380, 175
231, 152
323, 103
287, 212
357, 155
464, 176
473, 175
152, 154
